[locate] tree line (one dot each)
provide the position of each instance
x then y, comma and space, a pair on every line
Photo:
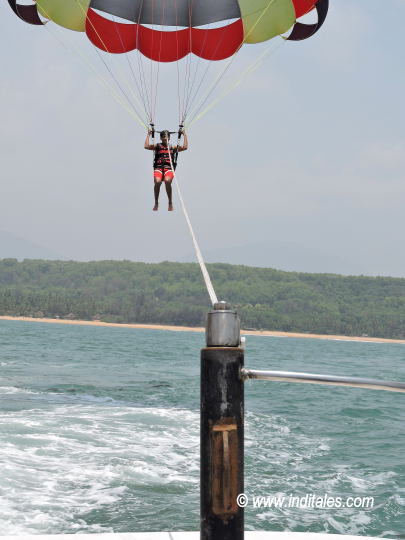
174, 293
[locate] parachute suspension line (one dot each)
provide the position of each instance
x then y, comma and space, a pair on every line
142, 78
214, 85
187, 88
181, 89
139, 88
204, 271
117, 82
177, 63
157, 81
90, 65
230, 62
187, 64
141, 70
190, 101
139, 99
184, 115
158, 63
271, 49
115, 79
187, 74
151, 64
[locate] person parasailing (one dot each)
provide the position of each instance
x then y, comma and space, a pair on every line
164, 156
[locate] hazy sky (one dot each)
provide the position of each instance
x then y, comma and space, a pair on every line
299, 168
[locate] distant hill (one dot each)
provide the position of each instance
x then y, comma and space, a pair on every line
174, 293
12, 246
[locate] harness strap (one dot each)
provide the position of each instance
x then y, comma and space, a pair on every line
164, 155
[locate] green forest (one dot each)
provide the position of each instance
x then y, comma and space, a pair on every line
174, 293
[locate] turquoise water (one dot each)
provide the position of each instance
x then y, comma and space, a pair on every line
99, 432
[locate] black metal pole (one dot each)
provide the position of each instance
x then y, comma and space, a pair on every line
222, 434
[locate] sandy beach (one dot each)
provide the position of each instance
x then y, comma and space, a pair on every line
200, 329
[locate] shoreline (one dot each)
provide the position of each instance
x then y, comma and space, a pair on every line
269, 333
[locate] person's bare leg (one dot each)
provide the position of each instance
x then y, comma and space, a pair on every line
158, 183
168, 184
168, 178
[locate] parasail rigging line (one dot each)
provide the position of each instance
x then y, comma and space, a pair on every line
138, 84
196, 115
141, 70
271, 49
187, 69
192, 96
90, 65
158, 64
177, 64
191, 100
114, 78
200, 259
231, 60
183, 89
109, 69
151, 65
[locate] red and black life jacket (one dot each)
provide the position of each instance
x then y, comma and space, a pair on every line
161, 157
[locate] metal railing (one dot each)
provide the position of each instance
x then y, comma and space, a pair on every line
332, 380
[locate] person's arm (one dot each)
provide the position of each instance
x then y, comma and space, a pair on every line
149, 146
185, 143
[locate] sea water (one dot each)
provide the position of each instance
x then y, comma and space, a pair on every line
99, 432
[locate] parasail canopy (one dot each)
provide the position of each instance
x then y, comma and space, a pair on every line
177, 25
167, 31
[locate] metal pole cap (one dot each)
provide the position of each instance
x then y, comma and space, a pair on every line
223, 326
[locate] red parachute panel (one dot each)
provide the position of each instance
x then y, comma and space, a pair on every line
217, 43
110, 36
163, 46
302, 7
212, 44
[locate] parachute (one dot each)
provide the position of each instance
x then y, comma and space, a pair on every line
166, 31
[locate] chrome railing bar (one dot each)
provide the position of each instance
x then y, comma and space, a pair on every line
311, 378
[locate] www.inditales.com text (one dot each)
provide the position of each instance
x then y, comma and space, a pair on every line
310, 500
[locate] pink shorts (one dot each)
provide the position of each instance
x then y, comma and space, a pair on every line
163, 174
